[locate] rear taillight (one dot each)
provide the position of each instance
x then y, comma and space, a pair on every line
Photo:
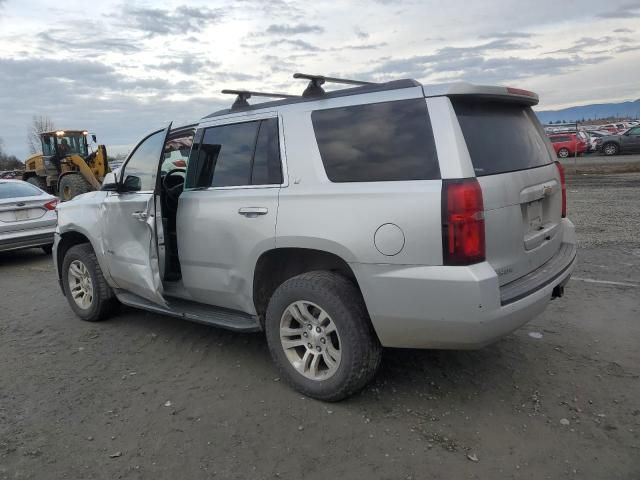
462, 222
180, 163
51, 205
563, 186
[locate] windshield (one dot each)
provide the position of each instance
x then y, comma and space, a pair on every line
72, 143
176, 153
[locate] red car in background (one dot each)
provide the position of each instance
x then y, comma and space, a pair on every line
568, 144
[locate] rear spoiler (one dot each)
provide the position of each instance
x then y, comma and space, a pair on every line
502, 94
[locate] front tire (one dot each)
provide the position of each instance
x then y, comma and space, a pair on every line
610, 149
39, 182
84, 285
71, 185
320, 336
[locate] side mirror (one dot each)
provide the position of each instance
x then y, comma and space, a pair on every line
132, 184
110, 182
93, 137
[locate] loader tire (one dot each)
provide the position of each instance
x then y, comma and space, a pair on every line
72, 185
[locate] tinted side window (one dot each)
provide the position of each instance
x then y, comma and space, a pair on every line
266, 162
139, 173
377, 142
224, 156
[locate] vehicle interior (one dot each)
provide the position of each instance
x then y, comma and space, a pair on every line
172, 176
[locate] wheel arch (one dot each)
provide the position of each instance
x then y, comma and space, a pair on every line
68, 240
277, 265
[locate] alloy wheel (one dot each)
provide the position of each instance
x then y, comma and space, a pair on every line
310, 340
80, 284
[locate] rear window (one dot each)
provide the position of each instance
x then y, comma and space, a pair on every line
18, 189
501, 137
377, 142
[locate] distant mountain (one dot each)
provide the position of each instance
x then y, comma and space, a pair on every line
593, 112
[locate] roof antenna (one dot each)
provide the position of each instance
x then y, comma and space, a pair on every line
314, 89
244, 95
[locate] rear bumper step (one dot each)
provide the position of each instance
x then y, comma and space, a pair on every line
547, 273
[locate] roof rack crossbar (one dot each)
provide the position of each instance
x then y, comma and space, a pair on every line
244, 95
316, 81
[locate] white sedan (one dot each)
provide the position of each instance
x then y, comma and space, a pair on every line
28, 216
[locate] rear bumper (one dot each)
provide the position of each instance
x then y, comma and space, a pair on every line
35, 237
457, 307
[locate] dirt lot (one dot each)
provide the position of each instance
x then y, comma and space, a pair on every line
145, 396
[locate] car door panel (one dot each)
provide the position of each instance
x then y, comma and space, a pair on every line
227, 214
221, 235
129, 232
129, 226
632, 140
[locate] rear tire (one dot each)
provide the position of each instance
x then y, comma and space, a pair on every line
610, 149
563, 153
39, 182
72, 185
84, 285
334, 332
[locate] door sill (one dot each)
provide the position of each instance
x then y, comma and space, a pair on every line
195, 312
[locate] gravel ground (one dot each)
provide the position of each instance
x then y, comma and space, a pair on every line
146, 396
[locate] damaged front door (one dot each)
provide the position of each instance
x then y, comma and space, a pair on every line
129, 228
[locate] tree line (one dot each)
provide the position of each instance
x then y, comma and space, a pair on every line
9, 162
39, 123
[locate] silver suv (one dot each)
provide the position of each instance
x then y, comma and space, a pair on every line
380, 215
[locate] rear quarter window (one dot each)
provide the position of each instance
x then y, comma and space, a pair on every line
501, 137
377, 142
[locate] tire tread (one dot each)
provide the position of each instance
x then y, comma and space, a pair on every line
368, 352
107, 302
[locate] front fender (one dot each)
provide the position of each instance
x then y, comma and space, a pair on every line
83, 216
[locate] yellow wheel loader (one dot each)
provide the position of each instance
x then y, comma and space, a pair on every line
65, 167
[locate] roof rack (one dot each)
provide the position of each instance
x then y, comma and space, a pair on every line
314, 89
244, 95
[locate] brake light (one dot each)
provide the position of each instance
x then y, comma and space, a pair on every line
51, 205
520, 91
463, 240
563, 186
180, 163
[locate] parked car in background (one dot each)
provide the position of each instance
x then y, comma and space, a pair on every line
595, 139
615, 128
11, 174
627, 142
568, 144
27, 216
584, 137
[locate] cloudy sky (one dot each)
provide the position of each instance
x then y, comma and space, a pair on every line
123, 68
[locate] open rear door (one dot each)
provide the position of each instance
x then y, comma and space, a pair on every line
130, 226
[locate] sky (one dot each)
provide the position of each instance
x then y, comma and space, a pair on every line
121, 69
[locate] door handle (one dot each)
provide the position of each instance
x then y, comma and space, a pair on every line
142, 216
252, 212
